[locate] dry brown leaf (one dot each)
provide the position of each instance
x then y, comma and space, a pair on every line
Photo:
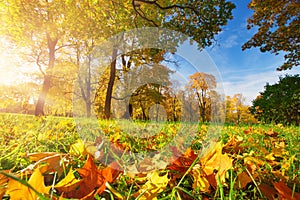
243, 180
268, 191
47, 162
253, 163
271, 133
181, 162
233, 145
285, 192
38, 156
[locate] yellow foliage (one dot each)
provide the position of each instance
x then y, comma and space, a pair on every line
17, 190
153, 186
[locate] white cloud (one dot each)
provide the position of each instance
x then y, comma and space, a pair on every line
230, 41
251, 84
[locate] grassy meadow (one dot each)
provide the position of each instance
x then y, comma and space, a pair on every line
247, 162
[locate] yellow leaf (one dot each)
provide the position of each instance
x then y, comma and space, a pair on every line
153, 186
270, 157
214, 162
17, 190
78, 148
68, 184
200, 182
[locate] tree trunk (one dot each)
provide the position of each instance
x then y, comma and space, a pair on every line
112, 76
88, 102
39, 109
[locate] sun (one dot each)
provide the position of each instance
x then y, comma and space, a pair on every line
8, 72
12, 66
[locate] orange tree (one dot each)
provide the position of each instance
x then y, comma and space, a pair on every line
278, 29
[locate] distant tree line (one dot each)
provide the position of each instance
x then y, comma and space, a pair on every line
280, 102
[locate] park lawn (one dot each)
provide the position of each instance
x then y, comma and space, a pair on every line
247, 162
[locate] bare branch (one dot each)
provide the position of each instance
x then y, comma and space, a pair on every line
62, 46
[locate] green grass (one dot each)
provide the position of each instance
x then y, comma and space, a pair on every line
22, 134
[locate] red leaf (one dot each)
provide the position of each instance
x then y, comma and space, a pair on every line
182, 161
93, 180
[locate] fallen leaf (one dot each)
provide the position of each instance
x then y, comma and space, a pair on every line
181, 162
155, 185
3, 182
47, 162
92, 180
271, 133
233, 145
68, 183
200, 181
214, 162
249, 130
78, 148
268, 191
17, 190
253, 163
38, 156
285, 192
243, 180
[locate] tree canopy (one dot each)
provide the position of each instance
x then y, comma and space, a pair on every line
278, 25
279, 103
47, 27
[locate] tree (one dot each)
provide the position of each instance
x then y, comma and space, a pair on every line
40, 26
45, 27
236, 110
278, 25
203, 86
201, 21
279, 103
18, 98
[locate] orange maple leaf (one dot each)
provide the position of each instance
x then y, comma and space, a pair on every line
182, 161
92, 180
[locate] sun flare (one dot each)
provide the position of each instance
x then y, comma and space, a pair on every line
7, 73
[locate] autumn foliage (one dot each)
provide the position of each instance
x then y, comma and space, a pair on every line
252, 159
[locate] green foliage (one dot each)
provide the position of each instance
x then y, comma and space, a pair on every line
279, 103
278, 29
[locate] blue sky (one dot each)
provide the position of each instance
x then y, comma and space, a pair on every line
248, 71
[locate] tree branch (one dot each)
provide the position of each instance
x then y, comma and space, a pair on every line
141, 13
154, 2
